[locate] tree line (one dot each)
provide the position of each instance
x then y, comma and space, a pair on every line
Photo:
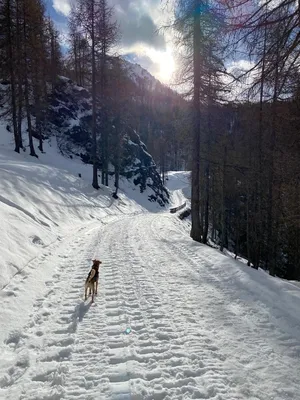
245, 151
30, 62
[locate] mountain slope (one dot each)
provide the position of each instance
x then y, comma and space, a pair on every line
43, 200
69, 119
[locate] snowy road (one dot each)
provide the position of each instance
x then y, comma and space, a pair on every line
202, 326
179, 184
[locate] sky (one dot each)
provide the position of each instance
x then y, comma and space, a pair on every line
141, 41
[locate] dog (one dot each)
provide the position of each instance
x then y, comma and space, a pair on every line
91, 282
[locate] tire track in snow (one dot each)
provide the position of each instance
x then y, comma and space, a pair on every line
255, 343
166, 356
42, 354
131, 360
204, 360
192, 337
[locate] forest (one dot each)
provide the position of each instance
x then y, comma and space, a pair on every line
234, 124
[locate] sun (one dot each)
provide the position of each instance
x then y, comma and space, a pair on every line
167, 67
165, 62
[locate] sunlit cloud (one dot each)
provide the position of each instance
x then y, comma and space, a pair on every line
238, 83
62, 6
140, 22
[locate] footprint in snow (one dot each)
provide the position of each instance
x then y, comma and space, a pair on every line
37, 240
10, 293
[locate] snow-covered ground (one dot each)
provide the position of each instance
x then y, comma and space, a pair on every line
44, 200
173, 320
179, 184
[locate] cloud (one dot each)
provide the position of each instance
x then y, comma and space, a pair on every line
136, 20
239, 87
240, 65
139, 21
141, 29
62, 6
137, 25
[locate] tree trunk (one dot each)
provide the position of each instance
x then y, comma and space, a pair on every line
94, 118
12, 79
26, 87
103, 96
259, 226
117, 159
28, 116
248, 224
195, 196
237, 237
20, 111
207, 170
206, 207
20, 74
38, 106
270, 215
223, 205
102, 156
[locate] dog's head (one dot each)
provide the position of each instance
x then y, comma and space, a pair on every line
96, 263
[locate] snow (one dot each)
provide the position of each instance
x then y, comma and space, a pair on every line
142, 77
48, 198
44, 200
179, 184
173, 319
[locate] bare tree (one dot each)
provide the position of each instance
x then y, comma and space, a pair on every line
94, 19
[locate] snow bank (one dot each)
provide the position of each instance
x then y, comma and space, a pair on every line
178, 182
43, 200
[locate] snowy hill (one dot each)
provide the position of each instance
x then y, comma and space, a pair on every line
69, 120
141, 76
44, 199
68, 123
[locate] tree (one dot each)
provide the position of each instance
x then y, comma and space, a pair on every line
27, 65
119, 105
94, 21
108, 34
8, 55
198, 26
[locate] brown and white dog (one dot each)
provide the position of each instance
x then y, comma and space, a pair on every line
91, 282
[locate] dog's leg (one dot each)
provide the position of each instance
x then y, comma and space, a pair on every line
85, 293
97, 287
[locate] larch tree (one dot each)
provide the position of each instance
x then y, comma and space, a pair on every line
26, 66
197, 28
8, 55
94, 22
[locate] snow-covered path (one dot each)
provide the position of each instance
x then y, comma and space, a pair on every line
202, 326
179, 184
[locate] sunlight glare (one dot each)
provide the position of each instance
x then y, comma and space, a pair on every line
166, 63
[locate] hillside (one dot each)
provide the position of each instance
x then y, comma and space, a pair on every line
43, 200
69, 120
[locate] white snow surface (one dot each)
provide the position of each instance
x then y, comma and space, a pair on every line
180, 186
173, 319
